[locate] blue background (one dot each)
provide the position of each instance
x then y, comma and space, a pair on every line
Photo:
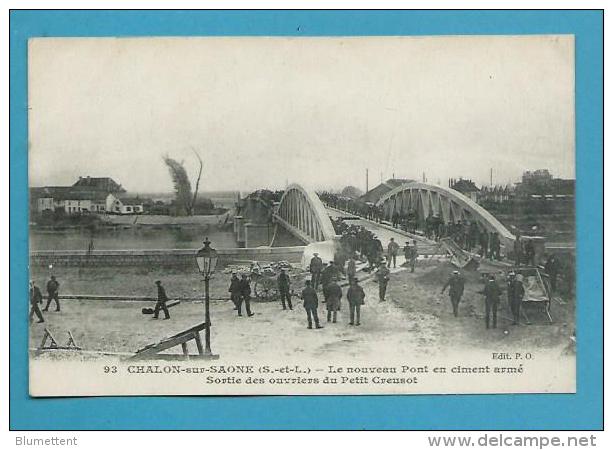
583, 410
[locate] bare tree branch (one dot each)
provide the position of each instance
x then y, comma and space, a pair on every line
193, 205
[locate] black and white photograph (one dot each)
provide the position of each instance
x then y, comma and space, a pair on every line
301, 215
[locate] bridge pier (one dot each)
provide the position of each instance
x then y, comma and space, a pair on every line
239, 229
257, 235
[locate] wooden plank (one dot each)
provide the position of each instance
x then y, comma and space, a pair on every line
180, 338
199, 344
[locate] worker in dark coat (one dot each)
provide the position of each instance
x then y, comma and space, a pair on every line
492, 298
36, 297
530, 253
410, 254
53, 293
517, 251
161, 303
383, 277
484, 244
355, 297
392, 252
351, 269
515, 295
456, 290
328, 273
235, 290
310, 303
315, 267
245, 285
333, 294
495, 246
283, 283
552, 269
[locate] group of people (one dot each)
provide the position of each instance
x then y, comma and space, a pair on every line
357, 239
354, 206
36, 298
492, 292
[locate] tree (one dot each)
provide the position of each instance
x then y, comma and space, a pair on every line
184, 197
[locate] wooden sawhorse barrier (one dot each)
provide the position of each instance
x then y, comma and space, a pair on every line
153, 351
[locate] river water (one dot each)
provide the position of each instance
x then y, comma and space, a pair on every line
132, 238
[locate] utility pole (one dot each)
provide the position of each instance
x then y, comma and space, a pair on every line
366, 180
491, 176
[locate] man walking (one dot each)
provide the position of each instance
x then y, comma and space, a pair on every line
392, 252
235, 290
355, 297
456, 290
283, 284
492, 298
495, 246
245, 297
53, 293
551, 269
351, 269
328, 273
310, 303
333, 294
36, 297
161, 303
483, 244
517, 251
410, 254
515, 294
383, 277
315, 267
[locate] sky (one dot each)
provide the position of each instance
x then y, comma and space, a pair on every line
264, 112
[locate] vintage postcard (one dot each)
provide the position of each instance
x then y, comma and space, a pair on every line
296, 216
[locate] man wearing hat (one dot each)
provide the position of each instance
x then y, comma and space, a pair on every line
283, 284
235, 289
245, 295
515, 295
392, 252
355, 297
53, 292
410, 254
161, 303
351, 269
456, 290
315, 267
492, 298
310, 303
383, 277
36, 297
333, 294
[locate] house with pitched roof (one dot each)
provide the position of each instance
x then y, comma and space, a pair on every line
87, 195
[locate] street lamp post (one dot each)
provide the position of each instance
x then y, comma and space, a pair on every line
206, 258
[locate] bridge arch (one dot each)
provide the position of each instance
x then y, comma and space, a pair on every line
303, 214
447, 203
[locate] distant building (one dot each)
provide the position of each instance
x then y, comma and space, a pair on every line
541, 184
98, 184
373, 195
87, 195
496, 194
123, 204
540, 176
466, 187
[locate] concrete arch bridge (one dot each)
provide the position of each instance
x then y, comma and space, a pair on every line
450, 205
301, 212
